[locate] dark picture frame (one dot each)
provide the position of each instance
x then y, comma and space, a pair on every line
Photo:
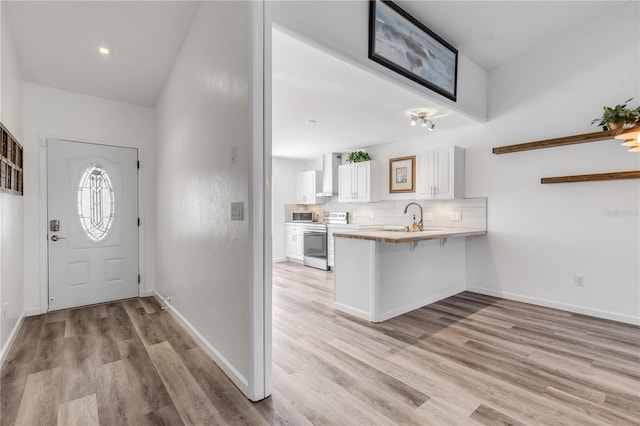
402, 174
401, 43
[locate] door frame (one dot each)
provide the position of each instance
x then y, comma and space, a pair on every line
43, 232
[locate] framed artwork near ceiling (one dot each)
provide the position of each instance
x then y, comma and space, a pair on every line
402, 174
401, 43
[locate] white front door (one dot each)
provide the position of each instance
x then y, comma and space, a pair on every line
92, 223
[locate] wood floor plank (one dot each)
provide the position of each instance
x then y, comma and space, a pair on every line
177, 337
113, 395
146, 328
120, 324
49, 353
79, 412
145, 385
189, 399
490, 417
77, 369
164, 416
11, 393
228, 400
39, 405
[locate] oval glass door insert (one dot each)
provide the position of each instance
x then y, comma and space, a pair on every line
96, 205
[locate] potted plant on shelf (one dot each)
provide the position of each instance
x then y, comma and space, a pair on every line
358, 157
615, 118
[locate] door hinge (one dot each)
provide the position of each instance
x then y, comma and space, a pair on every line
138, 278
138, 221
138, 163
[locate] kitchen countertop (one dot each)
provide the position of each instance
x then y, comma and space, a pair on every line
386, 236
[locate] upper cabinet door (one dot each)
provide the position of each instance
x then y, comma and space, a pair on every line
307, 185
359, 182
440, 174
362, 172
424, 175
443, 174
301, 194
346, 184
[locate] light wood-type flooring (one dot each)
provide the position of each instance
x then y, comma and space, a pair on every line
467, 360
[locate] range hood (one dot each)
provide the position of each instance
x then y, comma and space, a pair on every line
330, 163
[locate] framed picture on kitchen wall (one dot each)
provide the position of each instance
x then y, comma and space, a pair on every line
400, 42
402, 174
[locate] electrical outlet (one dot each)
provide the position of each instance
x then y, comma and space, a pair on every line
579, 280
455, 216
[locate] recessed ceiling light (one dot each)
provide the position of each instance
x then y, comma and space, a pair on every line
311, 122
104, 51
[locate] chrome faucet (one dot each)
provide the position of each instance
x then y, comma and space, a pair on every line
420, 224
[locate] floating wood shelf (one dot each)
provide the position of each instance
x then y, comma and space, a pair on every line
634, 174
550, 143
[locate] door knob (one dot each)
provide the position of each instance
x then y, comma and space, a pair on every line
56, 238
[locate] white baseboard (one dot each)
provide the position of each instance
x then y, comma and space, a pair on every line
147, 293
30, 312
238, 379
353, 311
628, 319
279, 260
419, 304
12, 337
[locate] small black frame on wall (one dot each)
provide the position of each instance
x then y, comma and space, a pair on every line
401, 43
11, 160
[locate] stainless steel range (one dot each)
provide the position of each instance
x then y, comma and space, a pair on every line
315, 239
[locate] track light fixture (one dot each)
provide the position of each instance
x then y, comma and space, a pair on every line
424, 121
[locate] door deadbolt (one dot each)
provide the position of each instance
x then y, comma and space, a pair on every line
54, 225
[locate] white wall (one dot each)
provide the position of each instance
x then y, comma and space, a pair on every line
342, 27
50, 112
540, 236
204, 260
11, 206
284, 192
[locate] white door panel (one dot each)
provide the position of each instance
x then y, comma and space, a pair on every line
93, 193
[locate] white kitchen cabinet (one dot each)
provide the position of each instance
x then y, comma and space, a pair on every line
307, 185
440, 174
359, 182
294, 240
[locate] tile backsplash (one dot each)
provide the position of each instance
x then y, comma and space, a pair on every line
473, 212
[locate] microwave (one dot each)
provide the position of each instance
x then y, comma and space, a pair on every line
304, 217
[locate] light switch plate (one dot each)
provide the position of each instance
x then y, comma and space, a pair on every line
234, 154
237, 210
455, 216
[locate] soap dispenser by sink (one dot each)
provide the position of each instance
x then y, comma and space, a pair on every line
414, 225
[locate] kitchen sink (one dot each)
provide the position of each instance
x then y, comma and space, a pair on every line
406, 229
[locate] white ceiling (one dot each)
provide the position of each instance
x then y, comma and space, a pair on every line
493, 33
57, 43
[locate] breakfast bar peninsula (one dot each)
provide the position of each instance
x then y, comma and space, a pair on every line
380, 274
